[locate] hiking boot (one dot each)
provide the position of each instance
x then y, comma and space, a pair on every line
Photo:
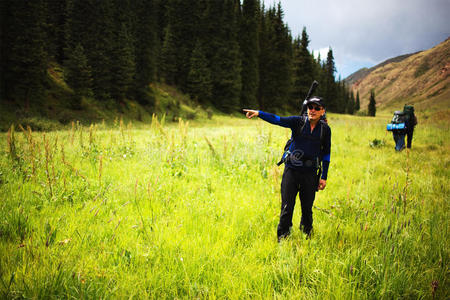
283, 236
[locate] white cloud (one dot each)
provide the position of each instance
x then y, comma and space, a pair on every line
366, 32
323, 53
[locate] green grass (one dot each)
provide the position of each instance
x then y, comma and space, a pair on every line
190, 211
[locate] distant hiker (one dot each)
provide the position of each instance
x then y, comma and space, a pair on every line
402, 124
398, 128
306, 153
411, 122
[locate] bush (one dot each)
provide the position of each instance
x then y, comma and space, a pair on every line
361, 113
209, 112
40, 124
376, 143
188, 113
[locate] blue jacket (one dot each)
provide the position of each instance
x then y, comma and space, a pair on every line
306, 144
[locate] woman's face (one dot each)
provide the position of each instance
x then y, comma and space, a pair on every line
315, 112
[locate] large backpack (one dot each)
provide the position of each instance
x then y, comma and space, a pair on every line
408, 110
398, 121
399, 117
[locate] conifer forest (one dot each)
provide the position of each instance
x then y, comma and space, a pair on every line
226, 54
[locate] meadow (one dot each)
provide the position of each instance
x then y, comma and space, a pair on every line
189, 210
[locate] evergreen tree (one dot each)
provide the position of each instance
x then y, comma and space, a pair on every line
161, 20
146, 46
357, 105
100, 55
199, 77
168, 63
182, 34
55, 29
330, 88
266, 61
90, 23
78, 75
249, 44
372, 104
79, 26
351, 104
319, 74
124, 64
210, 31
226, 66
303, 68
283, 56
24, 59
276, 61
343, 98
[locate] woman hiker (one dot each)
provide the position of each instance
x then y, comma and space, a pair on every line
309, 148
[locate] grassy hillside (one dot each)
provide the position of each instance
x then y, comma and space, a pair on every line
190, 210
56, 112
361, 73
421, 79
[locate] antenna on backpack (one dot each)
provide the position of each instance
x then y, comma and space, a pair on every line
312, 88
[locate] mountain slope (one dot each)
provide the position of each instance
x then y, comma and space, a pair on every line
421, 79
361, 73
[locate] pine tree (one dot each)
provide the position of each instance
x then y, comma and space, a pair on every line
275, 61
249, 44
351, 104
319, 74
357, 105
330, 87
343, 98
146, 45
78, 75
56, 18
90, 23
199, 77
123, 69
303, 68
79, 26
168, 64
226, 65
24, 59
180, 41
283, 56
372, 104
266, 64
100, 55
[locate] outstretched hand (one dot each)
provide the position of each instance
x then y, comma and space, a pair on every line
250, 113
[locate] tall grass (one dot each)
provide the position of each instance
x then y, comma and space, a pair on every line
190, 211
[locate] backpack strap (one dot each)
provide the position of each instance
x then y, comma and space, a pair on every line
303, 120
302, 126
323, 126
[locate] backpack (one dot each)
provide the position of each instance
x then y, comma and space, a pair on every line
399, 117
398, 121
408, 110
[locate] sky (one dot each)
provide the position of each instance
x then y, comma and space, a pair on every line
364, 33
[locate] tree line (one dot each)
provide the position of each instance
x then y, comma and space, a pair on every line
228, 54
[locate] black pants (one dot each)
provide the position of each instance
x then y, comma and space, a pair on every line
296, 182
409, 137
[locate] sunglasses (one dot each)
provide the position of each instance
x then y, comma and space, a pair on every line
314, 107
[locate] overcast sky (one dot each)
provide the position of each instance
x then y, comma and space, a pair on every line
363, 33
